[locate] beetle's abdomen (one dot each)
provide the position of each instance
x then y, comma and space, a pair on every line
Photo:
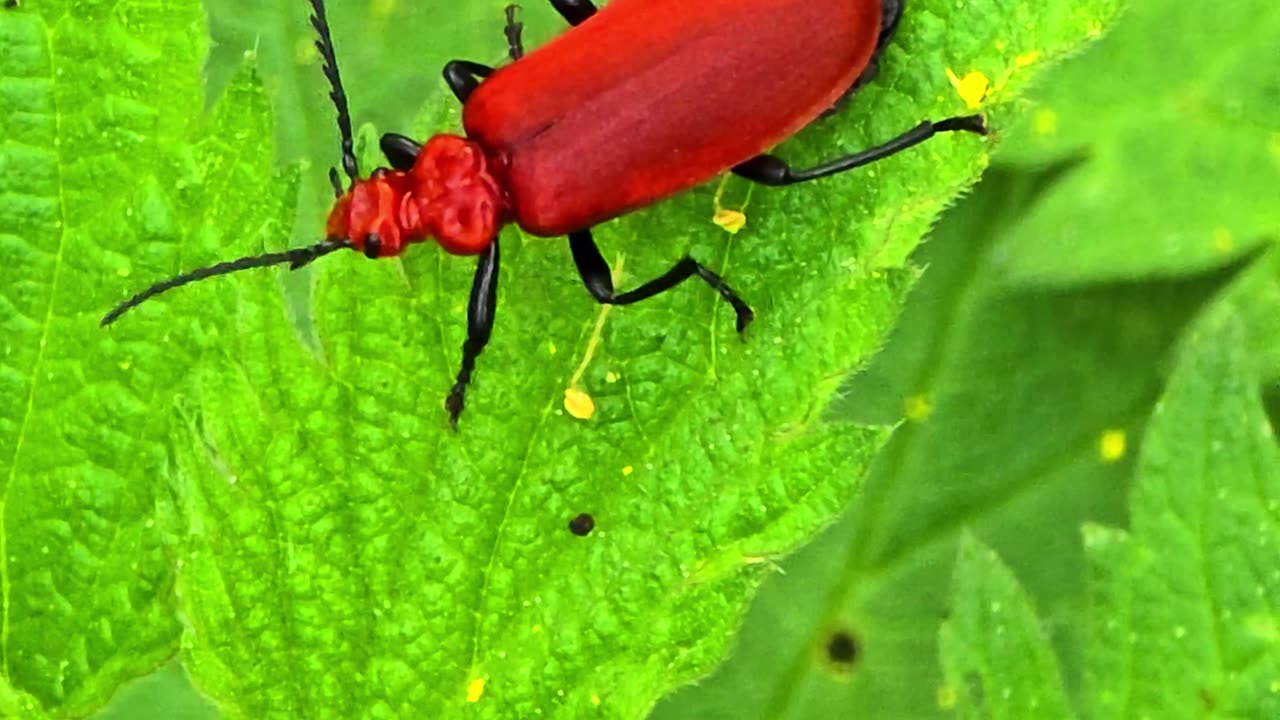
651, 97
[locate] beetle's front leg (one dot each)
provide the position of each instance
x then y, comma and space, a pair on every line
401, 151
480, 314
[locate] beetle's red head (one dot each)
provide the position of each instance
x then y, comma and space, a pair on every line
448, 195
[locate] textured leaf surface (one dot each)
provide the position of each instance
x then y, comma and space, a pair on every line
339, 553
996, 659
1010, 395
1187, 603
1176, 111
89, 151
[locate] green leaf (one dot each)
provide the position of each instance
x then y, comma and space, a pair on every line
1185, 611
1176, 113
1011, 394
95, 98
996, 658
339, 552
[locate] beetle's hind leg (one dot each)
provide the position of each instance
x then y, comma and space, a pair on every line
598, 279
772, 170
574, 12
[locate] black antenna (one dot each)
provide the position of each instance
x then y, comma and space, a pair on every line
297, 257
324, 43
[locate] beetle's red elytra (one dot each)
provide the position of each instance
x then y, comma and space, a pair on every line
635, 102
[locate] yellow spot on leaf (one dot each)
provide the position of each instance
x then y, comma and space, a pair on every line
731, 221
595, 700
475, 690
579, 404
972, 88
917, 407
551, 347
628, 470
947, 698
1223, 240
1111, 446
576, 401
1046, 122
537, 629
1027, 59
611, 377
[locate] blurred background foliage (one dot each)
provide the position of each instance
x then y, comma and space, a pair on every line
1139, 192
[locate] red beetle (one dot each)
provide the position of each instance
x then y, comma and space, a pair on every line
635, 103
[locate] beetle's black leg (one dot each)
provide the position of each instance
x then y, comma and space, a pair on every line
771, 170
464, 76
401, 151
598, 278
480, 313
514, 31
574, 11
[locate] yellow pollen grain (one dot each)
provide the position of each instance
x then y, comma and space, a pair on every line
1046, 122
551, 347
1111, 446
475, 690
628, 470
1223, 240
972, 88
1027, 59
579, 404
612, 377
917, 408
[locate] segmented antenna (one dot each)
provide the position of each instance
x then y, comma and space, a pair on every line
297, 257
324, 43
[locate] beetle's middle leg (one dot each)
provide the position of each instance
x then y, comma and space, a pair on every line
598, 279
771, 170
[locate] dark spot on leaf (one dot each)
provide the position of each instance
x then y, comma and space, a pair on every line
11, 4
582, 525
973, 686
1206, 698
842, 650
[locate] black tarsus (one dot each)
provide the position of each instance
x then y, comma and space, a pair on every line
598, 279
772, 170
324, 43
480, 314
296, 257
